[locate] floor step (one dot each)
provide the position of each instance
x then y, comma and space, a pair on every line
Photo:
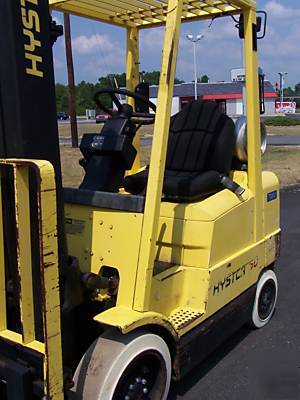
182, 317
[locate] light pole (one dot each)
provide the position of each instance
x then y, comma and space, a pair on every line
282, 75
194, 40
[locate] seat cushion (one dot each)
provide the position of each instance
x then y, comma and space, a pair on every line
177, 184
201, 139
188, 186
199, 153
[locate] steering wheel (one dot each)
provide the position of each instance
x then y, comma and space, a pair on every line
142, 118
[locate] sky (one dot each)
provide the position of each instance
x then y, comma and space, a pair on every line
99, 49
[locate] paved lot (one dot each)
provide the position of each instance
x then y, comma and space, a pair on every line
79, 121
262, 364
297, 115
283, 140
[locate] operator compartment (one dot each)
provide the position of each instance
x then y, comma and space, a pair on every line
204, 202
201, 192
95, 211
103, 224
198, 164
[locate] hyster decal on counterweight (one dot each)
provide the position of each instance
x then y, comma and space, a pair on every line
31, 28
230, 279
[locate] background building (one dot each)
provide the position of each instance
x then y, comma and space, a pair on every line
228, 94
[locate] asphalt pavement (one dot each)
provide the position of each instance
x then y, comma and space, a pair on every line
283, 140
296, 115
260, 364
80, 121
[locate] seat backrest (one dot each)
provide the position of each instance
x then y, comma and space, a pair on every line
201, 138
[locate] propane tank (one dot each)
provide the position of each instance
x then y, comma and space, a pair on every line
241, 138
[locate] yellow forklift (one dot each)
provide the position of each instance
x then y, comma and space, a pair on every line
111, 290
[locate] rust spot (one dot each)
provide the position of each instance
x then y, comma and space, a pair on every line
47, 190
48, 264
48, 254
53, 336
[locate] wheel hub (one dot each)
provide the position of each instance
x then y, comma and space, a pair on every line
266, 299
138, 389
144, 379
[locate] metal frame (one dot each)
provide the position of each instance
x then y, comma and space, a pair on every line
148, 13
253, 123
158, 157
46, 200
132, 79
137, 14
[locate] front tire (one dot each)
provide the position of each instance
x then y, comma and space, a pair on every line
265, 299
136, 366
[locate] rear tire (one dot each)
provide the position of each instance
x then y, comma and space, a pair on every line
136, 366
265, 299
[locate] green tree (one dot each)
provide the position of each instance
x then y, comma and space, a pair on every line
85, 91
203, 79
84, 97
153, 77
289, 91
62, 100
110, 81
297, 89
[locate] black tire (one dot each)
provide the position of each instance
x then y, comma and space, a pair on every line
265, 299
136, 366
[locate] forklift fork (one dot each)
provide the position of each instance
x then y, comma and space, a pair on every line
12, 372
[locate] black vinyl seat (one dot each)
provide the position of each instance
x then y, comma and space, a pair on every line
199, 154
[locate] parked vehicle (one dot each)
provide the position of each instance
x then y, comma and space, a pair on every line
100, 118
62, 116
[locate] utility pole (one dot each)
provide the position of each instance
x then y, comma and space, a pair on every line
281, 87
71, 81
194, 40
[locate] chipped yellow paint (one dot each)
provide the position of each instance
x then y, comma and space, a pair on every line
47, 225
22, 210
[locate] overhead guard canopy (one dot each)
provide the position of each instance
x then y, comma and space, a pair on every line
147, 13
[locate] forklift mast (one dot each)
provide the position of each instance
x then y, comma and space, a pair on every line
29, 132
28, 121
